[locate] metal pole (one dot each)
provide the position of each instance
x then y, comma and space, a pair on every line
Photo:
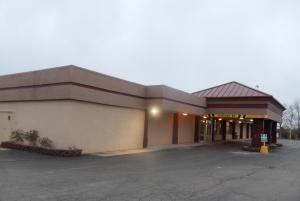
263, 125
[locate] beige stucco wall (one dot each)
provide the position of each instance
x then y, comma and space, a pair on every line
186, 129
6, 125
92, 127
160, 129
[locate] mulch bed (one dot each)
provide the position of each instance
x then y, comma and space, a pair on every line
42, 150
235, 143
257, 149
250, 148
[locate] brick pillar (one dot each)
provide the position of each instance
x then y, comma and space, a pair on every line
223, 128
175, 129
233, 130
213, 130
267, 129
241, 131
257, 129
274, 132
248, 131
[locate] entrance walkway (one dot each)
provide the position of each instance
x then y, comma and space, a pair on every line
165, 147
149, 149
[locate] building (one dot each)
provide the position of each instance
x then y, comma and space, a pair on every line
78, 107
242, 112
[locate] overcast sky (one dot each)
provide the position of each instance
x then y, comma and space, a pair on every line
187, 44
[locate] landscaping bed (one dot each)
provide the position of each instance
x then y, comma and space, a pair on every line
250, 148
236, 142
42, 150
257, 149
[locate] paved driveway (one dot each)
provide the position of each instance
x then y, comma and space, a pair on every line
218, 172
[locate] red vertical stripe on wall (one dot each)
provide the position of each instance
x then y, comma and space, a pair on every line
145, 139
175, 129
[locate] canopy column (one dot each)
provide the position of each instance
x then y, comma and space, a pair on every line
274, 132
267, 129
257, 129
223, 129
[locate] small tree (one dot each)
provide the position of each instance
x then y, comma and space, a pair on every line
17, 136
46, 142
32, 137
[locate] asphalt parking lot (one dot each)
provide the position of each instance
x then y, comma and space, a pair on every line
216, 172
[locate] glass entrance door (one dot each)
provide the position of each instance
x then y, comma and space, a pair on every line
205, 131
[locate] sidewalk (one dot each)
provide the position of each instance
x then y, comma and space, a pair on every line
146, 150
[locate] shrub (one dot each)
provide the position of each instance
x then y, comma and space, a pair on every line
46, 142
32, 137
17, 136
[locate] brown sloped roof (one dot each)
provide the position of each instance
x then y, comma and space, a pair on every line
231, 89
234, 90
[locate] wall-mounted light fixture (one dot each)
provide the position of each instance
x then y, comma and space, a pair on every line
185, 114
154, 111
220, 119
251, 120
204, 117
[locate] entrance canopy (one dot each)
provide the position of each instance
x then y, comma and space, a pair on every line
235, 100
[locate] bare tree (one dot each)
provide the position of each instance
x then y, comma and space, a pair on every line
289, 119
297, 113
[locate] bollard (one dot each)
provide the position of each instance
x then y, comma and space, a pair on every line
264, 149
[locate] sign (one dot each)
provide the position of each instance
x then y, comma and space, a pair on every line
256, 116
247, 116
227, 115
263, 138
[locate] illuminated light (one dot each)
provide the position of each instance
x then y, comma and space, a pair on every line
203, 121
240, 122
154, 111
220, 119
227, 115
185, 114
241, 117
204, 117
251, 120
230, 120
251, 116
